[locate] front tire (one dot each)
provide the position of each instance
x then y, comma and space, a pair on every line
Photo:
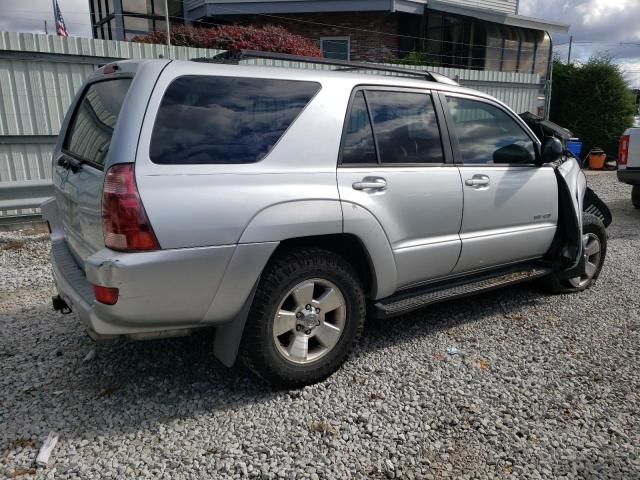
594, 239
635, 196
307, 314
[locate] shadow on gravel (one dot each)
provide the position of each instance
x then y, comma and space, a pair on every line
505, 302
130, 386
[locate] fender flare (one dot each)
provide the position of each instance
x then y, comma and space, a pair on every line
363, 224
357, 221
293, 219
259, 240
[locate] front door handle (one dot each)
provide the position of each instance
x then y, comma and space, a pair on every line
370, 183
477, 181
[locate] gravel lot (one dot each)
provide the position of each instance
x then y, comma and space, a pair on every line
545, 387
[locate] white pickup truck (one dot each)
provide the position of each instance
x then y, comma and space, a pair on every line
629, 162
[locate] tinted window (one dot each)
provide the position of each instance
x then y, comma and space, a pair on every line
358, 145
486, 134
95, 118
406, 127
204, 119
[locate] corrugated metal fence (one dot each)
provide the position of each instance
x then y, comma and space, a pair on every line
40, 75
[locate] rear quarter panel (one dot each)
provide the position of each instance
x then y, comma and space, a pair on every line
291, 192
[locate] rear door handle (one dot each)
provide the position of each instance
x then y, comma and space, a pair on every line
477, 181
370, 183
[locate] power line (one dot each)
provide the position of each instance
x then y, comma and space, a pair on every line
595, 42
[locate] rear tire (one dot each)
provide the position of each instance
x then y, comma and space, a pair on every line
307, 314
595, 241
635, 196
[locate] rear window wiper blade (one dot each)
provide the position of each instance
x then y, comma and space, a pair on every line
71, 163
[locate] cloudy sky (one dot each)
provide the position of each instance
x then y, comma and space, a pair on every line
602, 23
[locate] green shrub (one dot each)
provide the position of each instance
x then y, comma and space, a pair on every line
414, 58
593, 101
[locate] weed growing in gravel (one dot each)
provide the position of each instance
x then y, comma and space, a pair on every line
21, 443
11, 244
322, 427
18, 472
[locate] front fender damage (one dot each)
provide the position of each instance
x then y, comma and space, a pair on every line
565, 252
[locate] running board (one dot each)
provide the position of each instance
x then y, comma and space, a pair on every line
409, 300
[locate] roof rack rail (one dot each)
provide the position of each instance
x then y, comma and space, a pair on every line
235, 56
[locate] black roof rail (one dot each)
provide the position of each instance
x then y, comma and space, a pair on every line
235, 56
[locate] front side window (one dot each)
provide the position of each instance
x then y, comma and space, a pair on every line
487, 135
95, 118
406, 127
216, 120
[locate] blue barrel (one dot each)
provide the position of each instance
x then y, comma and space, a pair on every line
574, 145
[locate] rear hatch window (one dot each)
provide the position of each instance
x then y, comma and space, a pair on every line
95, 118
213, 120
79, 193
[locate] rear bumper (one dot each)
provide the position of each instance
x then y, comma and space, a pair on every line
630, 176
160, 291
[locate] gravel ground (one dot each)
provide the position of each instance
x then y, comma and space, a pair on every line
544, 387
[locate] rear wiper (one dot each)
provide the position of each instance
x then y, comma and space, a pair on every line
71, 163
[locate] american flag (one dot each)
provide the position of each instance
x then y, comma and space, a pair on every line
61, 28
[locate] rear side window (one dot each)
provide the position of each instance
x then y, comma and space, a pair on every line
214, 120
95, 118
358, 146
405, 129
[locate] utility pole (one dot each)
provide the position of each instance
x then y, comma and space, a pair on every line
569, 54
46, 30
166, 20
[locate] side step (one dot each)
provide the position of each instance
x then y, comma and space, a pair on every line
415, 298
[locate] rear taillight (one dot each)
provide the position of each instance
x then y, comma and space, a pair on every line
623, 150
106, 295
124, 222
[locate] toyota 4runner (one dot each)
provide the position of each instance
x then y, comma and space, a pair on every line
281, 206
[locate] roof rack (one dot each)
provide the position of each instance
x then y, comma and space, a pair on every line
236, 56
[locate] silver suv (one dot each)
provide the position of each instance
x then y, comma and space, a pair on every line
281, 206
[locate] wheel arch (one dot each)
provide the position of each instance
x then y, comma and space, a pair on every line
348, 246
323, 221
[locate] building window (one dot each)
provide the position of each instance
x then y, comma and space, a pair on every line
465, 42
137, 6
336, 48
126, 19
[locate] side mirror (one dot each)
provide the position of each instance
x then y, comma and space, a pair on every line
513, 153
551, 150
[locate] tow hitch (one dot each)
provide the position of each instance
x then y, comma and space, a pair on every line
59, 305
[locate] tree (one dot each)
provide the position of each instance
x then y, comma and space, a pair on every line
593, 101
269, 38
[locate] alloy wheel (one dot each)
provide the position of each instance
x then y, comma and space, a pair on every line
592, 252
309, 321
